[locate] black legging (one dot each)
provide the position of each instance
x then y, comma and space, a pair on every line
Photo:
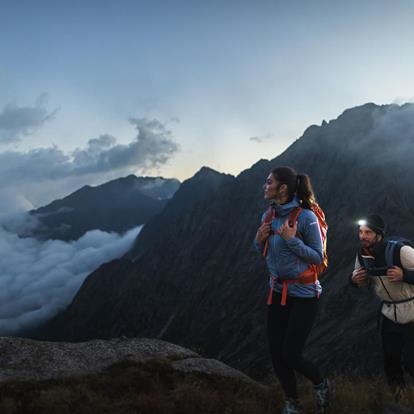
398, 345
288, 327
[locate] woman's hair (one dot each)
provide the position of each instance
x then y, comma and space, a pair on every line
299, 184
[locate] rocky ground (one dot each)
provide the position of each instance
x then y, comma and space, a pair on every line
149, 376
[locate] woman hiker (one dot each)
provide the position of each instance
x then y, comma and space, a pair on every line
292, 238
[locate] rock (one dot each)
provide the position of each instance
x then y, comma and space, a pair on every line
25, 359
209, 366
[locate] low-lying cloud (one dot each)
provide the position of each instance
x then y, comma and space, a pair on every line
37, 279
18, 121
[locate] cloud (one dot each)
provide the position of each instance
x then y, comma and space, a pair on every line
37, 279
151, 149
43, 170
260, 139
16, 122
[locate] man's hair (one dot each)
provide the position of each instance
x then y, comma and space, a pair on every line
376, 223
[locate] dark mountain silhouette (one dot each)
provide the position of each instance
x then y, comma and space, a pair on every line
201, 284
118, 205
199, 188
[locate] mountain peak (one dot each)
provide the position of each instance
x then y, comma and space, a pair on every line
206, 172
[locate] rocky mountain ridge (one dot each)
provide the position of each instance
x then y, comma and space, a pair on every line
117, 205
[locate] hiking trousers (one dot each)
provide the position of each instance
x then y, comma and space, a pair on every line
398, 346
288, 328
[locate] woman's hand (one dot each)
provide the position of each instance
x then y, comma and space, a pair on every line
286, 231
263, 232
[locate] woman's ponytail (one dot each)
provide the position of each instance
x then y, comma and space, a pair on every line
304, 191
299, 184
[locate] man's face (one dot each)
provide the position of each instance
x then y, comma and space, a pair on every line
368, 237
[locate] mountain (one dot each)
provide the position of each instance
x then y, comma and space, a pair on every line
201, 284
196, 190
117, 205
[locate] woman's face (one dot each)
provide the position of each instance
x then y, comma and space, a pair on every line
270, 188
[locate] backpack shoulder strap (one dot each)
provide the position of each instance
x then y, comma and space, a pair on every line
294, 215
365, 258
269, 215
389, 253
392, 253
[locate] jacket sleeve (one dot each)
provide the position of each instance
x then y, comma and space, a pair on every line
259, 246
310, 249
407, 262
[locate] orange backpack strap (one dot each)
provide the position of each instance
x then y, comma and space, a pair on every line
294, 215
308, 277
272, 285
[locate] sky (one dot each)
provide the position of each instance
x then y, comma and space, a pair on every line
228, 82
95, 90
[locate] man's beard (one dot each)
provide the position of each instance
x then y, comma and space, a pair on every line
375, 246
365, 244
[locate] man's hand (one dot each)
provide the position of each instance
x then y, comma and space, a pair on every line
359, 276
395, 274
288, 232
263, 232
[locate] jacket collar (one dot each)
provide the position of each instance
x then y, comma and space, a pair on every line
285, 209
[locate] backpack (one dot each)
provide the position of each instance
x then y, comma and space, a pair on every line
392, 250
312, 273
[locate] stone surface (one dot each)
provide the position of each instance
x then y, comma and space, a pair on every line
28, 359
24, 359
209, 366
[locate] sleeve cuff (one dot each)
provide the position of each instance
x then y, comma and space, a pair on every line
258, 246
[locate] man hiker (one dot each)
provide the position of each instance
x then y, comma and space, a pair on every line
388, 265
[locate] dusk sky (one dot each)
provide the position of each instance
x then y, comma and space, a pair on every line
93, 90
